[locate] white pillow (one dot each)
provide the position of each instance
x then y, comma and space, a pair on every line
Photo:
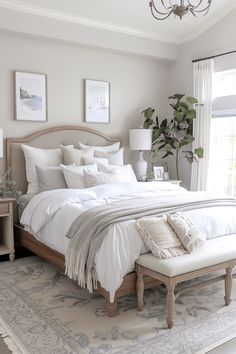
114, 157
126, 170
97, 160
72, 155
107, 148
159, 237
190, 237
66, 147
92, 179
50, 178
74, 175
40, 157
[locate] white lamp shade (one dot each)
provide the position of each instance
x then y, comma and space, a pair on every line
140, 139
1, 143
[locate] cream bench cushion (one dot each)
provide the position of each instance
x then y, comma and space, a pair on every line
214, 251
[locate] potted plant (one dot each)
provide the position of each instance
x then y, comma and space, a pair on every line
170, 137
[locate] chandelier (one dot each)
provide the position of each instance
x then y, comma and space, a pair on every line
178, 8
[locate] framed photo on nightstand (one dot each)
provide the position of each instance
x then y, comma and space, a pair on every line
158, 172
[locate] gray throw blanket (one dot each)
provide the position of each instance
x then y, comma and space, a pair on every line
89, 230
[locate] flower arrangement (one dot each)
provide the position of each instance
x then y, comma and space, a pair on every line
8, 185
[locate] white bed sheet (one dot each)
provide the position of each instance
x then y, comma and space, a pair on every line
49, 215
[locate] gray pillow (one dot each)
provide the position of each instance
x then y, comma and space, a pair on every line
50, 178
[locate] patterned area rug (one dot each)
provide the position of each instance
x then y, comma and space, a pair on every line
47, 313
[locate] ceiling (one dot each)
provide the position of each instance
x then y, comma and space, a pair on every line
125, 16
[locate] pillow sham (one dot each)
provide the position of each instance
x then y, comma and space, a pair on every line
66, 147
106, 148
76, 156
126, 170
159, 237
97, 160
114, 157
92, 179
190, 237
50, 178
74, 175
40, 157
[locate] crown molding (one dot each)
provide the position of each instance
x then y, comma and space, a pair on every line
219, 15
70, 18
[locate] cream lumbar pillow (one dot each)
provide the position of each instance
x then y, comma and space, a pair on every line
159, 237
40, 157
74, 175
190, 237
72, 155
92, 179
106, 148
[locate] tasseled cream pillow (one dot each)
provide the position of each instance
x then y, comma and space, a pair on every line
190, 237
159, 237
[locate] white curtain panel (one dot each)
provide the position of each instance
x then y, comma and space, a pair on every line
202, 75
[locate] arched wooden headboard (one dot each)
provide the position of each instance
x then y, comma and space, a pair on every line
50, 138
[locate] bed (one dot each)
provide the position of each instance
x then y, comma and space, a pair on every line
51, 138
45, 212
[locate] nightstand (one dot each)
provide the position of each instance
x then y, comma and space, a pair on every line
174, 181
6, 224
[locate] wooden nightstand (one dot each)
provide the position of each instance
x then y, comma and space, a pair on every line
6, 223
174, 181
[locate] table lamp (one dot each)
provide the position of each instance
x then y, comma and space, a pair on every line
1, 143
141, 140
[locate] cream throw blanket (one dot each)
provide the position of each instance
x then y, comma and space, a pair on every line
89, 230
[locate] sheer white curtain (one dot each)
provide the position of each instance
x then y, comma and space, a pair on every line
203, 76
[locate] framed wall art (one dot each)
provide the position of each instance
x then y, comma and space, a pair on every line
97, 101
30, 96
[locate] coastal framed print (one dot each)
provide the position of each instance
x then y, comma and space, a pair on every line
97, 101
30, 96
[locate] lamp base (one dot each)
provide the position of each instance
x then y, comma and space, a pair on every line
140, 167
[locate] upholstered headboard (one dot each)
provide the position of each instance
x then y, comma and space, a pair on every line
50, 138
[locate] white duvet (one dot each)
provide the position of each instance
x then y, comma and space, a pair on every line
49, 215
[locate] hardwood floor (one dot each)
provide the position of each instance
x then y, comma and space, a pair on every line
226, 348
3, 348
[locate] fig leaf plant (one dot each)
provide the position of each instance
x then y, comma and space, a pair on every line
170, 137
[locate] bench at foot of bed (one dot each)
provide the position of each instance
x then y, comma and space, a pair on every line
216, 254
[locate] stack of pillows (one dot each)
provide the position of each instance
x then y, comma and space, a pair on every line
70, 167
170, 235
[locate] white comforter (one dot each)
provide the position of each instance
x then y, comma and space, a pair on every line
49, 215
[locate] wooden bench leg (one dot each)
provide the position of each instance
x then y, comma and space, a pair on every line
140, 289
228, 286
170, 301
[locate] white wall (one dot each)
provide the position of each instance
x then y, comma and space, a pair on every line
218, 39
136, 83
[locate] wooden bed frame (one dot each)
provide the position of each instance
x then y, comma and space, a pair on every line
51, 138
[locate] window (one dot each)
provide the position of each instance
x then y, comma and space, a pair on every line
223, 134
224, 83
